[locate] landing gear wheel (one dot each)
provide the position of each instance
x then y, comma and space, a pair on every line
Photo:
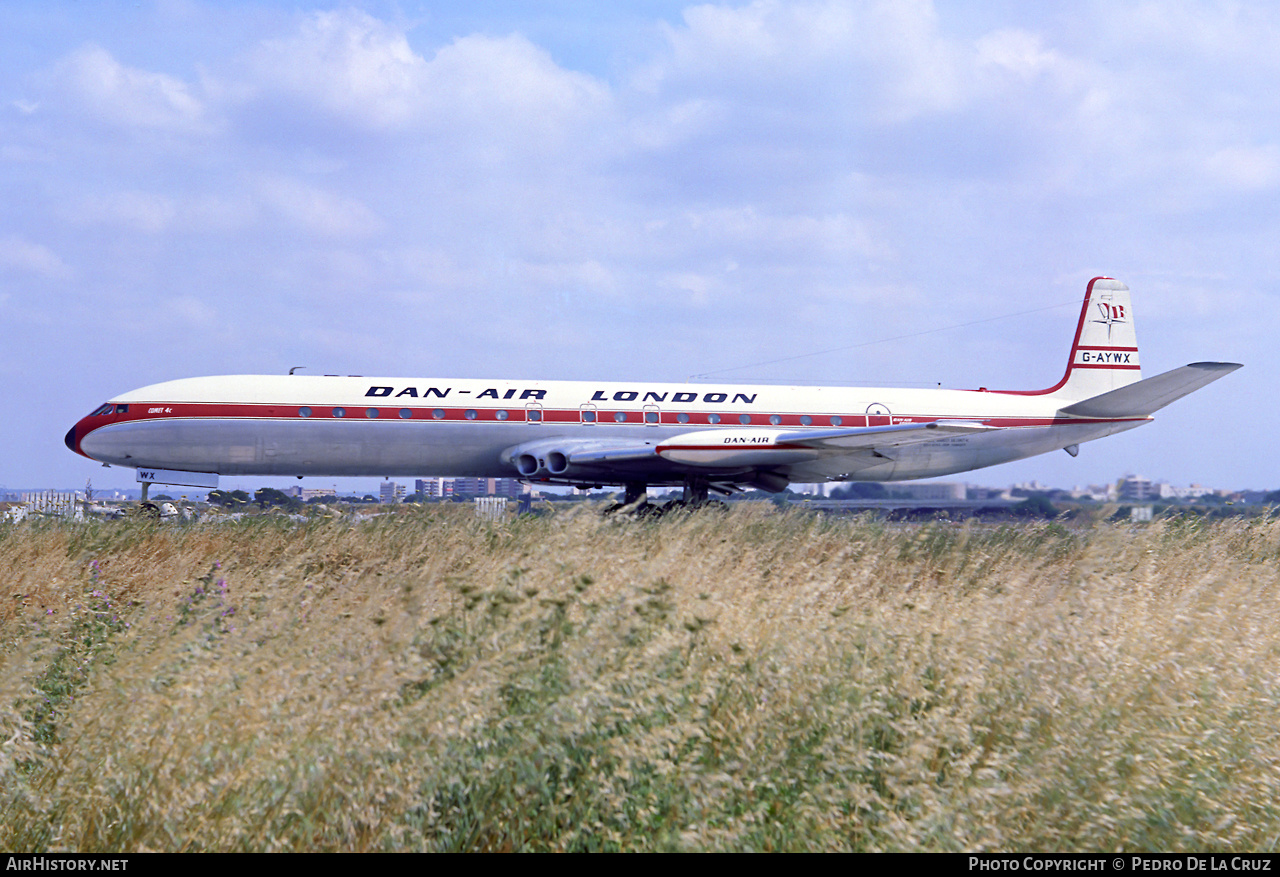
147, 511
695, 490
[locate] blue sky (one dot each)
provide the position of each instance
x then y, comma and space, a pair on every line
638, 191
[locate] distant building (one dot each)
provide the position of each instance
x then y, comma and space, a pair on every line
508, 487
1195, 491
469, 487
390, 492
1136, 488
931, 490
473, 487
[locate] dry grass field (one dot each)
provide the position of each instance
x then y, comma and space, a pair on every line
746, 680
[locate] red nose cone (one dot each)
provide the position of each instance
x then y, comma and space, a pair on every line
72, 440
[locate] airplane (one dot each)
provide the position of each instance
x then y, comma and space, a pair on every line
702, 437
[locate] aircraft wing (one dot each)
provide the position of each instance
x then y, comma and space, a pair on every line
723, 454
713, 447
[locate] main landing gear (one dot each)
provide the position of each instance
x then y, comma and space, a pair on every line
635, 501
695, 490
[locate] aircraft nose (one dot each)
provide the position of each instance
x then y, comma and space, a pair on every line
70, 440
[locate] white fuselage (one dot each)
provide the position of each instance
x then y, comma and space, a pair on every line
341, 426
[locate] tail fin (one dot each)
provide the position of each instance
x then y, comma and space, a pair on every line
1104, 352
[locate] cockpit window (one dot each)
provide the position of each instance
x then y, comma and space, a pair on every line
101, 410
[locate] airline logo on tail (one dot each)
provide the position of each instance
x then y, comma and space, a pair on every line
1111, 314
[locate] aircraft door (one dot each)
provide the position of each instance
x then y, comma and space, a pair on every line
652, 415
533, 412
878, 415
587, 413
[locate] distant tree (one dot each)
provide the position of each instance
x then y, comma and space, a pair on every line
162, 497
861, 490
1273, 496
1035, 506
234, 499
266, 497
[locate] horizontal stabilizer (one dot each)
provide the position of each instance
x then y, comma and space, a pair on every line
1145, 397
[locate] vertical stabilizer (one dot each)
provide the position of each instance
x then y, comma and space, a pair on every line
1104, 352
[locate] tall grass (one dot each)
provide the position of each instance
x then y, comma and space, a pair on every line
749, 680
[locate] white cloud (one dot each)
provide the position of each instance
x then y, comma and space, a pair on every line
184, 313
566, 277
144, 211
347, 62
508, 84
698, 289
1017, 51
787, 237
126, 96
884, 61
1246, 168
19, 254
363, 71
316, 209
